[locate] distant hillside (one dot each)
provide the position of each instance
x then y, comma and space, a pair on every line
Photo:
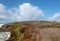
32, 30
37, 24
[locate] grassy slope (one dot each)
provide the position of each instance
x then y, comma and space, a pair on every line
16, 28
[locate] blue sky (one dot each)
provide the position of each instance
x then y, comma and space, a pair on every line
25, 10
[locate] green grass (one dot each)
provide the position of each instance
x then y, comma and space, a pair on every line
20, 37
16, 28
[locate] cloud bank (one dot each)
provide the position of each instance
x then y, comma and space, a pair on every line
55, 17
24, 12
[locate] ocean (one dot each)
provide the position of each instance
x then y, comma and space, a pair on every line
4, 35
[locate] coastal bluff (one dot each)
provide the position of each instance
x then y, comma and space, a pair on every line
33, 31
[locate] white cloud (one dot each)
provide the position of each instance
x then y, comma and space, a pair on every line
29, 12
3, 11
55, 17
2, 6
2, 17
5, 14
24, 12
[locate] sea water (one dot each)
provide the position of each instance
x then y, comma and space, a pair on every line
4, 36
